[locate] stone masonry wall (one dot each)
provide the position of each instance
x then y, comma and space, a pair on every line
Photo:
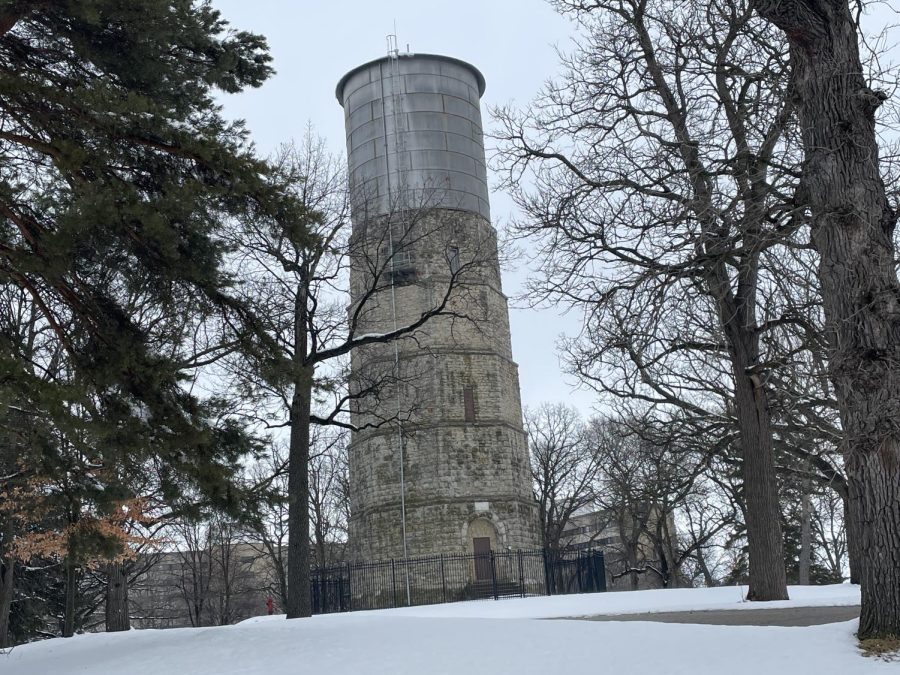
460, 474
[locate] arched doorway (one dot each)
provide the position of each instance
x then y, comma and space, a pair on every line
482, 541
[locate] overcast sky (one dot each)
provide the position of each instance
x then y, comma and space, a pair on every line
511, 41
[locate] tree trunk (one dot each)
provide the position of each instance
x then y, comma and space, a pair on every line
675, 563
852, 229
320, 548
281, 574
7, 589
553, 535
805, 540
117, 618
851, 527
551, 531
71, 592
665, 572
7, 21
632, 562
298, 600
704, 569
768, 579
735, 300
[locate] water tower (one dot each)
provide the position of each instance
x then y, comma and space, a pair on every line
453, 476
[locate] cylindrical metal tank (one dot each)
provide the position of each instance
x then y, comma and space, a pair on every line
453, 477
414, 134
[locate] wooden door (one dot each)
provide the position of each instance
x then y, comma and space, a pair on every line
482, 548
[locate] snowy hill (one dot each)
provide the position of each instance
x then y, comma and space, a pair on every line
477, 638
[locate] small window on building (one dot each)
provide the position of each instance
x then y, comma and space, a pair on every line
469, 403
453, 259
401, 267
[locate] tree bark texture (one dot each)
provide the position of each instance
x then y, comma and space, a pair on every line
7, 21
768, 579
850, 527
852, 229
298, 600
736, 308
708, 580
805, 539
117, 618
7, 586
7, 578
762, 511
298, 603
71, 593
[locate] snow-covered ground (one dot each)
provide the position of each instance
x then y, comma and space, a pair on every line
672, 600
477, 638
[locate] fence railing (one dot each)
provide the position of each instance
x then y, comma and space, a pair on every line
454, 578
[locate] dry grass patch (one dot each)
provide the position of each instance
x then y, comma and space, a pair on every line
885, 649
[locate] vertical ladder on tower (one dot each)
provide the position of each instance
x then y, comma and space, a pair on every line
400, 197
399, 207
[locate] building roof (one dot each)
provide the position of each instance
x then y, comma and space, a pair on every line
339, 90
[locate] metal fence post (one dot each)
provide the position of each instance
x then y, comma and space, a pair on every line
547, 588
443, 581
393, 585
521, 575
349, 589
602, 564
494, 576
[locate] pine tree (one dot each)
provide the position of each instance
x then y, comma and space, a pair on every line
117, 171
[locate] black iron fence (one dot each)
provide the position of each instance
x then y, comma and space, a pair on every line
453, 578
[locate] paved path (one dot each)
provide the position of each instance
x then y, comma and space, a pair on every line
791, 616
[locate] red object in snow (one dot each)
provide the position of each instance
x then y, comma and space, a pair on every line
270, 605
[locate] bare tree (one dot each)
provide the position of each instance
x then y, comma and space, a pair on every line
828, 531
327, 495
305, 333
328, 504
563, 466
807, 421
215, 576
852, 225
640, 488
234, 592
195, 571
705, 518
664, 178
269, 532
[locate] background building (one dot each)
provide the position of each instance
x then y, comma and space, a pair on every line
633, 559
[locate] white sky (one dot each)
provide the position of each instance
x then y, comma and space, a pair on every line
315, 43
511, 41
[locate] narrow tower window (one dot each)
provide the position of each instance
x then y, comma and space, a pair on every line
469, 402
453, 259
401, 266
